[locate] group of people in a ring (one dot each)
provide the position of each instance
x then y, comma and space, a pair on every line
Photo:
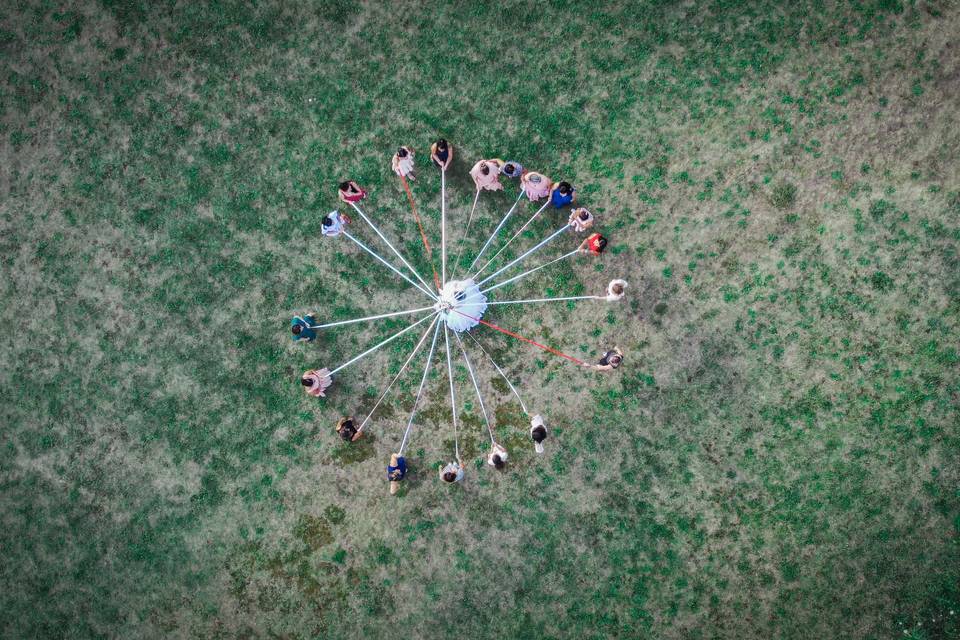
486, 175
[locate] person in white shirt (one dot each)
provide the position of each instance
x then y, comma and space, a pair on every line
580, 219
402, 163
616, 290
538, 432
333, 223
452, 472
498, 457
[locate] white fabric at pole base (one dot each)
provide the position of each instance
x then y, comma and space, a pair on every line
464, 296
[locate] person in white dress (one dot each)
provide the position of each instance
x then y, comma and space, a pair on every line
402, 163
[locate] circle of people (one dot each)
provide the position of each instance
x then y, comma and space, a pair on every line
486, 175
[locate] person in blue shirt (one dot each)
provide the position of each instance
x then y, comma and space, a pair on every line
562, 194
396, 472
300, 327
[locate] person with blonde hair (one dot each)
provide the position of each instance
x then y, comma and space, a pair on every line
486, 174
347, 429
535, 185
316, 381
402, 163
396, 472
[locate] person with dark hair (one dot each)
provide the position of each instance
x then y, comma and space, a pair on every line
350, 191
512, 169
498, 457
611, 360
402, 163
441, 152
580, 219
316, 381
486, 174
535, 185
347, 430
451, 472
396, 472
334, 223
562, 194
538, 432
595, 244
302, 328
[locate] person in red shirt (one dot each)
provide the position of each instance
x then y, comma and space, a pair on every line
595, 244
350, 191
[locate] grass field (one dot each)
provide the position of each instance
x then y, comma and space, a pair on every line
779, 457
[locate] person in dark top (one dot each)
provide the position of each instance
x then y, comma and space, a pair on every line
396, 472
611, 360
347, 430
441, 153
562, 194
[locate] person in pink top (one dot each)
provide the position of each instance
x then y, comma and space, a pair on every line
535, 185
316, 381
486, 174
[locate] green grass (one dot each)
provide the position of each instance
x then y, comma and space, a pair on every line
777, 458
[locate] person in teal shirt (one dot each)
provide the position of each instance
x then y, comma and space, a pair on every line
302, 328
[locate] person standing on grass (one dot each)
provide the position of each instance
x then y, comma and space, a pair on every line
498, 457
594, 243
580, 219
512, 169
535, 185
452, 472
441, 153
402, 163
538, 432
562, 194
616, 290
350, 191
347, 430
316, 381
611, 360
334, 223
302, 328
486, 174
396, 472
